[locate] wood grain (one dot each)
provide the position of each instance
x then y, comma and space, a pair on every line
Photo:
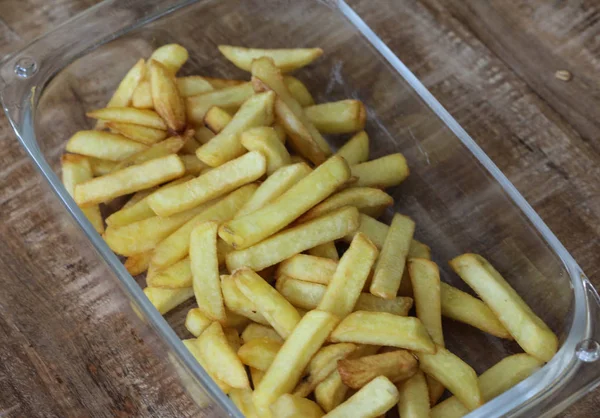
491, 64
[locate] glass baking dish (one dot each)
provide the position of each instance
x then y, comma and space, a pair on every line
457, 196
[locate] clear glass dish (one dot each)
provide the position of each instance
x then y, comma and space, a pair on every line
459, 199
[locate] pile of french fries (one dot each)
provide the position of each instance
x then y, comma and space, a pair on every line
239, 202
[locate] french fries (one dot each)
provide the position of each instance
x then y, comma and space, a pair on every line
396, 365
299, 91
164, 300
192, 346
372, 228
245, 231
383, 172
242, 398
175, 276
166, 99
142, 117
356, 150
257, 331
308, 268
172, 56
345, 116
142, 96
285, 59
229, 98
162, 149
414, 398
216, 119
425, 278
530, 332
264, 139
193, 166
372, 400
237, 302
221, 83
290, 406
101, 167
259, 353
103, 145
327, 250
196, 322
138, 263
202, 135
193, 85
256, 376
138, 133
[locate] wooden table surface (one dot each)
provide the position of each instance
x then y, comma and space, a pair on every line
491, 63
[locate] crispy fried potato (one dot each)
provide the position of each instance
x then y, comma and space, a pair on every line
202, 134
390, 264
196, 322
101, 167
205, 271
414, 397
229, 98
264, 139
381, 328
242, 398
210, 185
425, 278
233, 338
172, 56
103, 145
193, 85
138, 133
299, 91
256, 331
162, 149
138, 263
193, 166
383, 172
307, 268
295, 354
293, 241
256, 376
221, 83
356, 150
142, 117
456, 375
374, 399
396, 365
142, 96
372, 228
326, 250
76, 169
416, 250
237, 302
128, 180
341, 117
165, 300
285, 59
274, 186
292, 406
280, 131
245, 231
167, 101
191, 144
259, 353
256, 111
192, 346
216, 119
532, 334
175, 276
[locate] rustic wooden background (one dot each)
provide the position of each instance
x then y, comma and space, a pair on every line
491, 63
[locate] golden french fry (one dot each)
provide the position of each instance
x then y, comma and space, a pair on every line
233, 338
274, 186
165, 300
279, 131
176, 246
282, 316
264, 139
139, 196
326, 250
175, 276
372, 400
390, 264
221, 83
396, 365
425, 278
256, 376
162, 149
414, 397
192, 346
221, 359
142, 96
305, 138
349, 277
382, 328
138, 133
416, 250
285, 59
103, 145
210, 185
528, 330
196, 322
172, 56
202, 134
259, 353
138, 263
193, 166
205, 271
372, 228
242, 398
256, 111
229, 98
216, 119
237, 302
293, 241
245, 231
322, 365
295, 354
128, 180
341, 117
399, 306
76, 169
307, 268
167, 101
383, 172
142, 117
101, 167
256, 331
456, 375
299, 91
193, 85
292, 406
356, 150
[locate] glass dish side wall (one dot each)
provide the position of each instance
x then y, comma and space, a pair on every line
457, 204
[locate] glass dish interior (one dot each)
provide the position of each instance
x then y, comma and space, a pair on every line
457, 204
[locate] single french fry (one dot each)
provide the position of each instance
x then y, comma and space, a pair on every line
176, 246
356, 150
282, 316
295, 354
371, 202
196, 322
193, 166
256, 111
299, 91
345, 116
138, 263
175, 276
101, 167
372, 228
167, 101
164, 300
425, 278
245, 231
205, 271
128, 180
416, 250
259, 353
229, 98
256, 376
242, 398
139, 196
292, 406
236, 301
103, 145
256, 331
210, 185
172, 56
390, 265
372, 400
349, 277
221, 83
192, 346
280, 131
138, 133
202, 134
381, 328
216, 119
76, 169
528, 330
193, 85
142, 117
383, 172
456, 375
264, 139
162, 149
307, 268
414, 397
285, 59
396, 365
326, 250
142, 96
233, 338
274, 186
293, 241
399, 306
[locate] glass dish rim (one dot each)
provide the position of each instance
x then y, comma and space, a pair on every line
513, 401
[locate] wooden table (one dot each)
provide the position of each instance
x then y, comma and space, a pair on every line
491, 63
